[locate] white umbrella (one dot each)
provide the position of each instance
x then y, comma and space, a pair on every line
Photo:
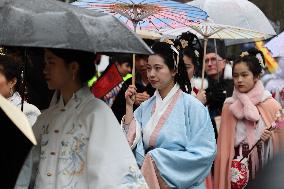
212, 30
148, 34
207, 30
238, 13
276, 45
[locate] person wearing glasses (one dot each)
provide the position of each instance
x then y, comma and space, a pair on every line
219, 76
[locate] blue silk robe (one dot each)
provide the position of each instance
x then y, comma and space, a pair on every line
185, 147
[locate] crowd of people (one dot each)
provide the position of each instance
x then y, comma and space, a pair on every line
176, 130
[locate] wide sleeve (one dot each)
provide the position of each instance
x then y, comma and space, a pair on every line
189, 167
133, 131
110, 162
225, 149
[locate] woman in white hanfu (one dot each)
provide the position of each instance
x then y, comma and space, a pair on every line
171, 133
81, 143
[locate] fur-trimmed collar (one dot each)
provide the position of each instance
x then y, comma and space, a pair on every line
243, 105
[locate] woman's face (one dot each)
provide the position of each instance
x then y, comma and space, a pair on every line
243, 78
158, 73
189, 66
6, 86
57, 74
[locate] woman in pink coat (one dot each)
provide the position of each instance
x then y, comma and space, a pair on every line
246, 118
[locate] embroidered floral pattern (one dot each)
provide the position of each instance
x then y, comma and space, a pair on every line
239, 174
71, 156
134, 179
44, 141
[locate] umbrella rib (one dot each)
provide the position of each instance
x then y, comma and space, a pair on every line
86, 33
240, 34
198, 31
167, 17
162, 21
154, 25
230, 33
194, 16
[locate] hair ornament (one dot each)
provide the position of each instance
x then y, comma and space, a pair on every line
243, 54
184, 43
260, 60
177, 57
167, 40
196, 53
175, 51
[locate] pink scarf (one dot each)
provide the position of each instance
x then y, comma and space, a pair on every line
244, 107
244, 104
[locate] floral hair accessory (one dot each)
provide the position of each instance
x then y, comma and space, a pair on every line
260, 60
167, 40
184, 43
245, 53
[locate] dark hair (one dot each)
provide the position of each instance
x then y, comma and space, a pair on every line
87, 68
10, 69
165, 51
191, 47
250, 59
121, 58
196, 60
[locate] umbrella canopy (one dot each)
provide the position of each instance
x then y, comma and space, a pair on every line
276, 45
238, 13
148, 14
212, 30
54, 24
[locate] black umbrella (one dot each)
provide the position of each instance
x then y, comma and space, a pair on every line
54, 24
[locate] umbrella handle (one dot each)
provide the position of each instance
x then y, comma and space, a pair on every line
133, 69
203, 64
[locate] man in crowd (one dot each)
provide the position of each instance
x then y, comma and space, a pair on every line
219, 76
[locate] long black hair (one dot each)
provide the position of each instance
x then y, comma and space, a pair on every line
254, 59
170, 57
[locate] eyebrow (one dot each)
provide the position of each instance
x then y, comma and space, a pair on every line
155, 64
241, 72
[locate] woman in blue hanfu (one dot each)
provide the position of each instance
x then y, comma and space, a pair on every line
171, 133
80, 141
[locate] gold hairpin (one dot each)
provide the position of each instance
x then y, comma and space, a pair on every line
245, 53
167, 40
184, 43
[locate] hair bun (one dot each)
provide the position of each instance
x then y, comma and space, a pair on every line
257, 54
